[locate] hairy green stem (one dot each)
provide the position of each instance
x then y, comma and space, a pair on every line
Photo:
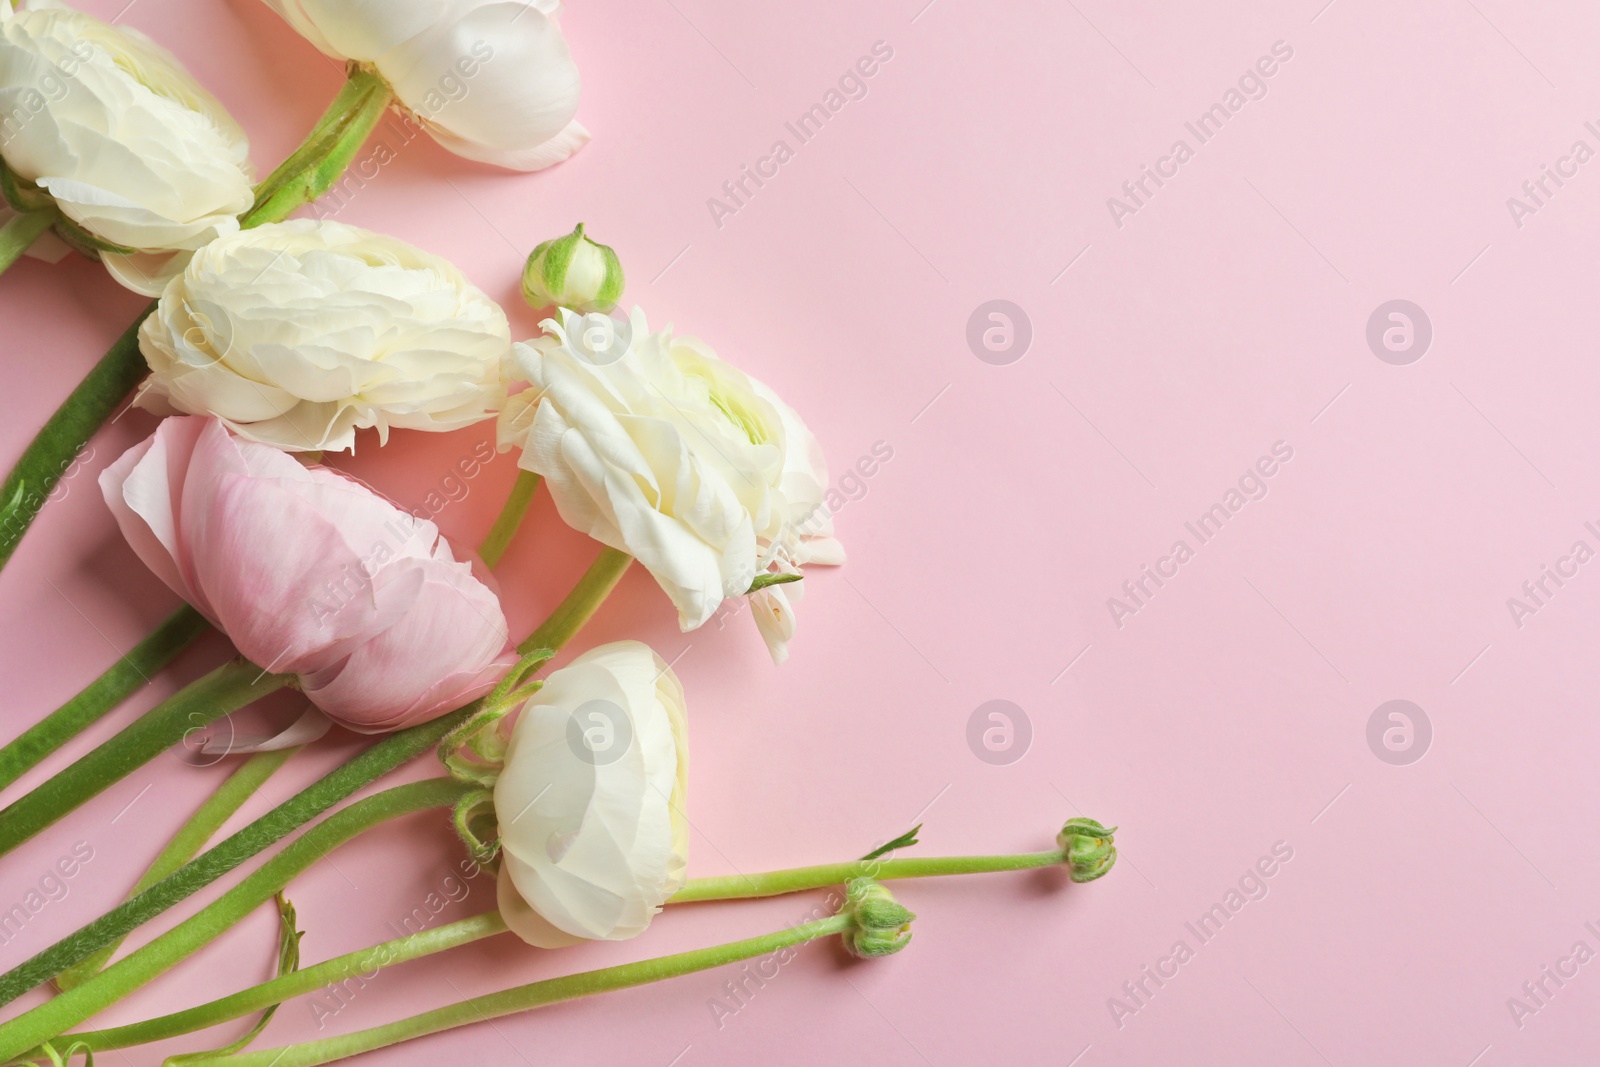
364, 962
510, 518
130, 672
70, 1008
585, 598
304, 806
533, 995
228, 688
190, 839
325, 153
56, 447
796, 879
415, 946
19, 233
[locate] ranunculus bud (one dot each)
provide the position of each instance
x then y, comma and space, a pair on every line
298, 334
654, 446
310, 573
139, 159
1090, 848
593, 839
882, 925
573, 272
490, 80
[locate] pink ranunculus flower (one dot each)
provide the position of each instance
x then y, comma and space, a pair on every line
311, 573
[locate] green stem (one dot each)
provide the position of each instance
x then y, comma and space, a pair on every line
206, 821
228, 688
19, 232
797, 879
135, 669
305, 175
325, 153
301, 808
532, 995
56, 447
139, 967
415, 946
570, 615
505, 526
365, 962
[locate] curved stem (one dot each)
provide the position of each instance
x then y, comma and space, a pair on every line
532, 995
323, 156
190, 839
103, 694
19, 233
796, 879
364, 963
576, 609
123, 977
510, 518
228, 688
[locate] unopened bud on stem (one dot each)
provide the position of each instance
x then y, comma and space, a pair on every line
882, 925
1088, 848
573, 272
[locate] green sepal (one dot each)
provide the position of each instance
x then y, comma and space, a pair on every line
21, 194
558, 259
477, 825
773, 578
882, 926
87, 243
474, 751
1089, 848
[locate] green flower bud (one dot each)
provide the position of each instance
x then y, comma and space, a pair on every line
573, 272
1090, 848
882, 925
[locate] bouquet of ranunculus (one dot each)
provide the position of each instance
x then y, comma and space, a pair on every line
271, 347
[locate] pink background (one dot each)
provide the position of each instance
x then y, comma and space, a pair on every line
1168, 353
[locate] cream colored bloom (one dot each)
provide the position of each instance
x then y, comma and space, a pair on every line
298, 334
654, 446
590, 801
115, 131
490, 80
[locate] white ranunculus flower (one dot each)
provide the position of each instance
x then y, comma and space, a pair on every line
490, 80
654, 446
112, 128
590, 801
299, 333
